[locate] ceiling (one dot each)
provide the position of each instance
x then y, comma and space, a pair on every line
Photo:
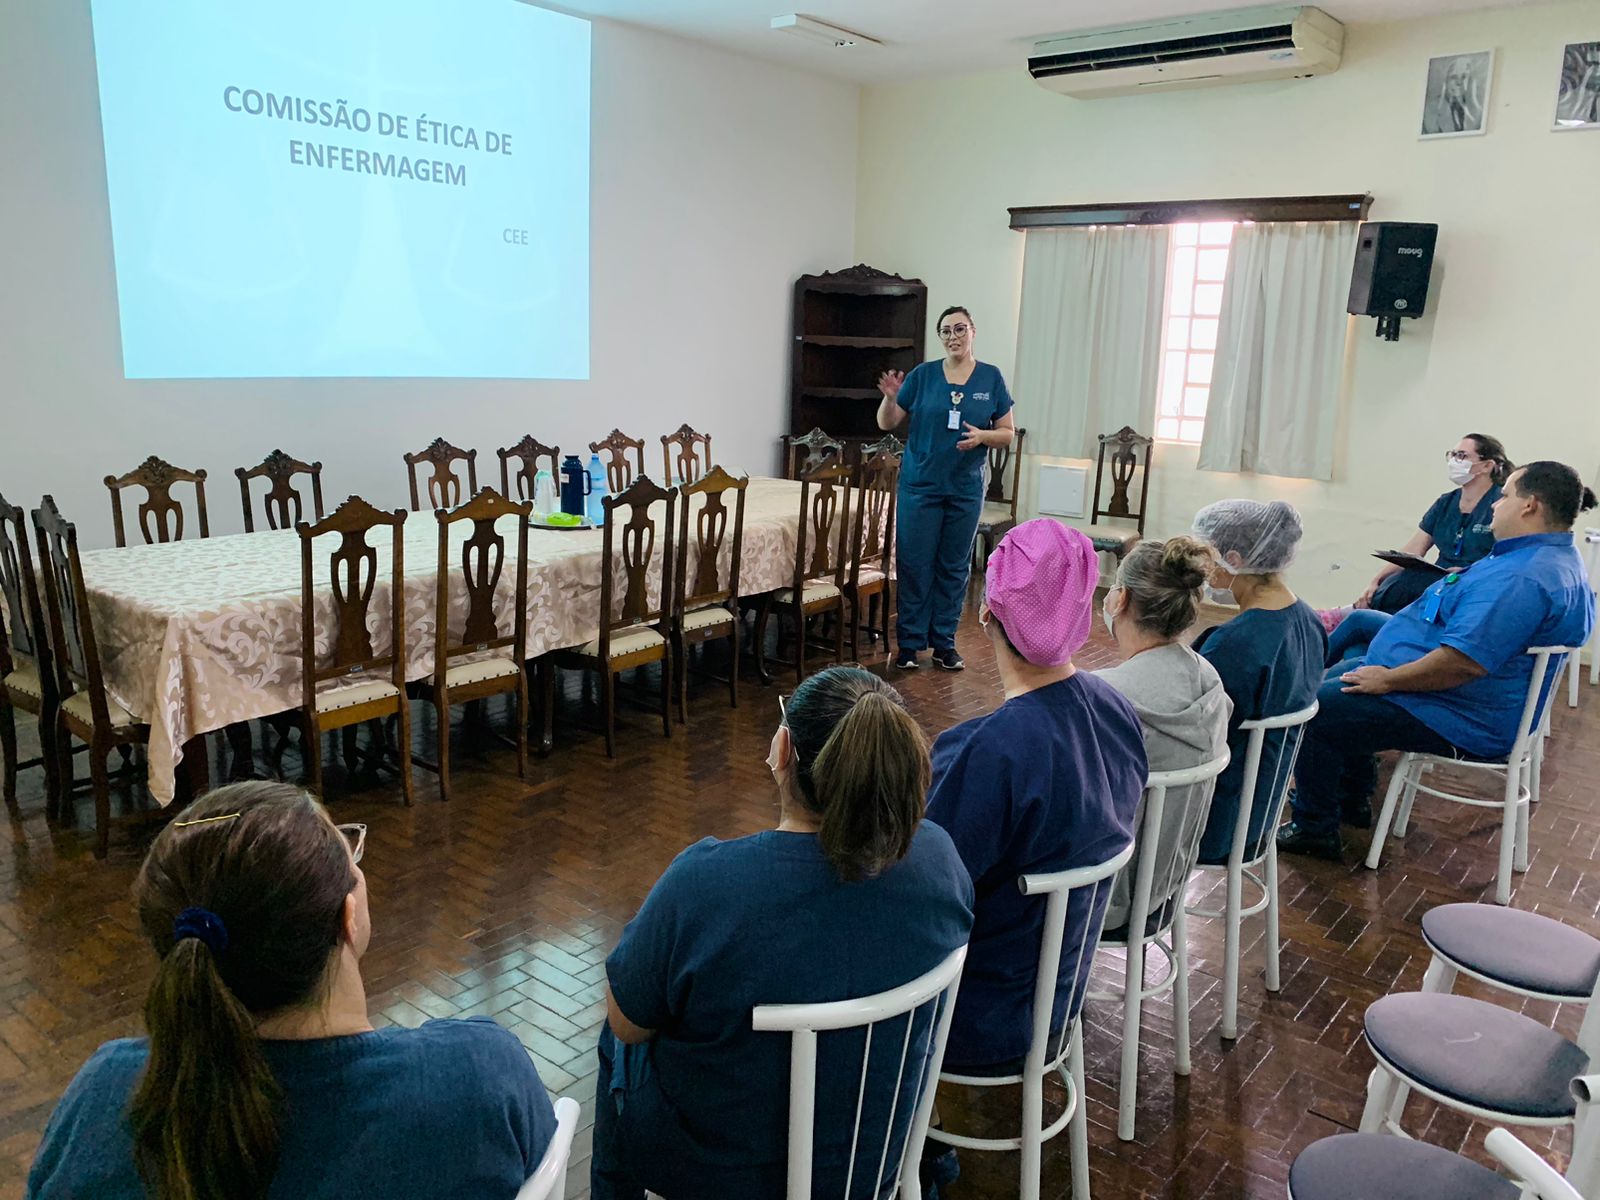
924, 38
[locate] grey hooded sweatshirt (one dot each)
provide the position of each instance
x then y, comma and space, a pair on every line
1184, 713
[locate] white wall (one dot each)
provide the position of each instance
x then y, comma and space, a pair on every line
1509, 343
716, 181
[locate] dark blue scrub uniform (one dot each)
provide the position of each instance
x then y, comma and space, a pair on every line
1462, 539
941, 498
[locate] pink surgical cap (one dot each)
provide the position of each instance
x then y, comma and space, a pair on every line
1040, 584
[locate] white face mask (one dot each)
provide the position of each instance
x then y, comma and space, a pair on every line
1219, 595
1460, 471
1107, 616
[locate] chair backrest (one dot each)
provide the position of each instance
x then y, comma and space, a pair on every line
1085, 889
934, 992
1539, 1180
160, 515
527, 453
877, 484
1165, 850
637, 540
549, 1181
1005, 473
1129, 452
709, 536
1548, 662
1282, 770
283, 505
24, 641
482, 562
444, 487
353, 573
821, 550
805, 452
76, 654
685, 455
615, 447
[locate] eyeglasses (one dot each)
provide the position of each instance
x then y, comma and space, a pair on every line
954, 330
1460, 456
355, 837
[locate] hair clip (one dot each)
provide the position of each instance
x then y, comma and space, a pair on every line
206, 820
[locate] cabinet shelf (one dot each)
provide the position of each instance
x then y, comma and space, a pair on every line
842, 393
859, 343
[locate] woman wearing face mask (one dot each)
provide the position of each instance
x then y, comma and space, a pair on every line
1457, 522
958, 408
1269, 656
262, 1076
853, 893
1178, 695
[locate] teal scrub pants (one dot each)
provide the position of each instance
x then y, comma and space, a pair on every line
933, 557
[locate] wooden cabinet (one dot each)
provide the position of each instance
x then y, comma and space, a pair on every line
849, 327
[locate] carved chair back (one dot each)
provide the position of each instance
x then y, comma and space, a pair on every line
445, 488
160, 514
282, 504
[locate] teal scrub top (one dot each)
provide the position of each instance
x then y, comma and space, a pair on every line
932, 464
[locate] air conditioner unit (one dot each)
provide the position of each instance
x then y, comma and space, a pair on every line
1229, 47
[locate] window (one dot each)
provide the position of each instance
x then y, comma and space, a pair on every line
1197, 263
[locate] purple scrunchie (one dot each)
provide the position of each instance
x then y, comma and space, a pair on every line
203, 924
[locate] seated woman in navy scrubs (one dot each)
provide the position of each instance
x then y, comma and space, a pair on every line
262, 1078
852, 894
1457, 522
1269, 656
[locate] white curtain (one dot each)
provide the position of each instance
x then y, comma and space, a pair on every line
1280, 350
1089, 334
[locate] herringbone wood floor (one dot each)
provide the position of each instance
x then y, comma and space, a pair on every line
505, 901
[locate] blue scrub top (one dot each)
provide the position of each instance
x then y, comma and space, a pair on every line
765, 919
932, 464
1049, 781
1462, 538
1529, 591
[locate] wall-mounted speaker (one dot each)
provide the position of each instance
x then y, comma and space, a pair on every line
1390, 280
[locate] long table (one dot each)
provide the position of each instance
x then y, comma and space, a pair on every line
197, 635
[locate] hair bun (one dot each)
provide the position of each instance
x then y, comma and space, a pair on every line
1588, 501
1186, 561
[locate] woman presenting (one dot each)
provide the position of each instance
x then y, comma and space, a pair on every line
958, 407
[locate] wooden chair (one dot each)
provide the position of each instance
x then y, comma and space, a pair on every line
527, 453
708, 608
160, 516
87, 711
1129, 452
373, 685
444, 485
685, 465
802, 453
820, 561
636, 632
872, 546
27, 680
481, 668
283, 505
620, 473
999, 515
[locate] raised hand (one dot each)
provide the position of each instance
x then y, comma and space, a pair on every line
889, 384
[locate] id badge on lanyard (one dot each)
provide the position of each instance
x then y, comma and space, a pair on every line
954, 420
1430, 606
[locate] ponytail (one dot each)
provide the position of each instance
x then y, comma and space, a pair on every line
863, 768
1492, 450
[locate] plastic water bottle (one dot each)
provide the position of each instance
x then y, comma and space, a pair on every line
544, 494
597, 490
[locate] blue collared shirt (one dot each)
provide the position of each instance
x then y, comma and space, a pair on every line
1529, 591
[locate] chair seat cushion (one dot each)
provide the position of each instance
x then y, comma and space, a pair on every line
348, 695
77, 705
995, 516
706, 618
1378, 1166
625, 642
1110, 538
869, 577
1521, 949
812, 593
26, 681
1477, 1053
476, 670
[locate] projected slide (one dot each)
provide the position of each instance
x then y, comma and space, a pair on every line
350, 188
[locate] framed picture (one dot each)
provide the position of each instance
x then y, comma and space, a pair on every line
1578, 91
1455, 102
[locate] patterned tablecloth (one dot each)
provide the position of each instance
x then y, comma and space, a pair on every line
196, 635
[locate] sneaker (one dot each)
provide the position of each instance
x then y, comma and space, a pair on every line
906, 660
949, 660
1294, 838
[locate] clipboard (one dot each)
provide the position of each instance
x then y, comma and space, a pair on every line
1413, 563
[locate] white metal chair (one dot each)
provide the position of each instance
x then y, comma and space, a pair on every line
1373, 1167
549, 1182
1266, 859
1517, 767
1089, 885
935, 991
1591, 558
1171, 851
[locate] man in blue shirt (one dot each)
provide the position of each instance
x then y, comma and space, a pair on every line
1449, 673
